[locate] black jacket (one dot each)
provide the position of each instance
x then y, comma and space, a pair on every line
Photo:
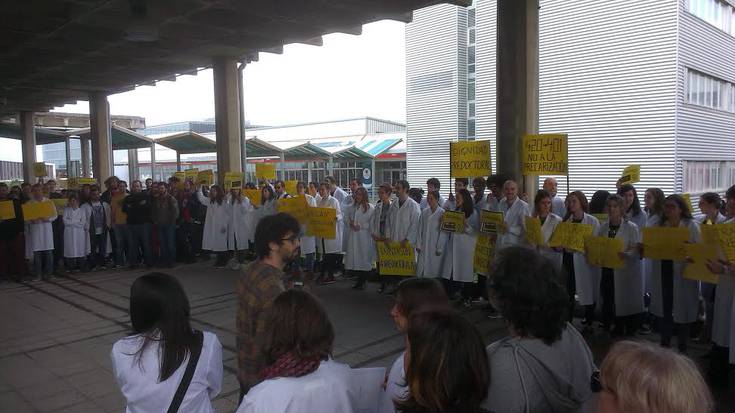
138, 208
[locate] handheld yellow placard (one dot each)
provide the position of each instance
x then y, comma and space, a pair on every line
205, 177
469, 158
700, 254
60, 204
182, 177
233, 180
7, 210
39, 210
396, 258
534, 236
665, 243
721, 237
631, 175
603, 252
296, 206
490, 221
322, 222
253, 195
545, 154
291, 187
453, 221
600, 217
571, 236
483, 257
265, 170
191, 174
39, 169
77, 183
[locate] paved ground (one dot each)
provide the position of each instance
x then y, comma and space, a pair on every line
55, 337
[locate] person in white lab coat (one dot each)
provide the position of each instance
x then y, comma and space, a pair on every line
361, 249
240, 221
709, 204
549, 221
479, 200
432, 184
632, 207
621, 289
404, 216
216, 223
308, 242
557, 204
75, 235
675, 299
515, 211
334, 190
581, 278
458, 270
459, 184
149, 364
348, 210
431, 242
41, 236
300, 375
99, 223
330, 249
653, 201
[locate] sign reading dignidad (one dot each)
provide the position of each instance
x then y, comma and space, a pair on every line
469, 158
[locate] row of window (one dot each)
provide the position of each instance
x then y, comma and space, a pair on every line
471, 72
709, 91
708, 176
715, 12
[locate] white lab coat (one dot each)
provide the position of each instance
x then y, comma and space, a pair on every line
361, 249
340, 195
547, 229
76, 233
686, 291
308, 243
639, 220
331, 246
425, 204
514, 217
458, 261
251, 220
404, 221
723, 324
629, 279
586, 276
138, 378
651, 221
216, 224
87, 208
431, 240
41, 235
558, 207
325, 390
348, 210
395, 388
375, 227
239, 222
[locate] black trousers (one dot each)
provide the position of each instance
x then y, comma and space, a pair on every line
330, 263
667, 322
607, 292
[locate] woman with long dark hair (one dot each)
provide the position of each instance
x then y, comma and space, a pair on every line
632, 205
216, 223
458, 266
360, 246
542, 206
710, 204
151, 362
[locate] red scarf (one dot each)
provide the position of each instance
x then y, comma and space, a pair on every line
290, 365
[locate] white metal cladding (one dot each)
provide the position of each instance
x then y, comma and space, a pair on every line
703, 133
485, 85
435, 55
608, 79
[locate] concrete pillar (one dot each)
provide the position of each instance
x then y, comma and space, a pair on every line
28, 144
133, 170
67, 152
283, 166
227, 116
101, 135
153, 161
178, 161
86, 170
517, 85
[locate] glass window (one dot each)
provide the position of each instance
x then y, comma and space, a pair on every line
470, 128
471, 90
709, 91
471, 109
471, 55
470, 17
715, 12
471, 36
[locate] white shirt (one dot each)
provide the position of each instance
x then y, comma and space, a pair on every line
139, 381
395, 386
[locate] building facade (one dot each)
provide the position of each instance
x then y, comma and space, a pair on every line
650, 83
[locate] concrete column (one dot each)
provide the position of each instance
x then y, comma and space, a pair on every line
308, 173
178, 161
133, 169
101, 135
283, 166
67, 147
28, 144
227, 116
517, 85
86, 170
153, 161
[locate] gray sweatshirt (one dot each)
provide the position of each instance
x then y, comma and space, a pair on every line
527, 375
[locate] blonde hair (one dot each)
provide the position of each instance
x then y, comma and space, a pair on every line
651, 379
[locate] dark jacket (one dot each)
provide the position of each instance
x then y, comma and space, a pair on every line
138, 208
164, 210
9, 228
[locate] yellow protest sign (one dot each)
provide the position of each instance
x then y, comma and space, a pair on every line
76, 183
603, 252
265, 170
191, 174
322, 222
253, 195
571, 236
600, 217
665, 243
60, 204
453, 221
484, 249
490, 221
700, 254
233, 180
39, 210
631, 174
296, 206
721, 237
291, 187
544, 154
205, 177
469, 158
39, 169
7, 210
181, 176
534, 236
395, 258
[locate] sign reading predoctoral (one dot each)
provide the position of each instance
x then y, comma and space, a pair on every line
396, 258
545, 155
295, 206
453, 221
39, 169
233, 180
484, 249
322, 223
265, 170
469, 158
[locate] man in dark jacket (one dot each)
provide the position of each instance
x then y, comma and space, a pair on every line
138, 208
12, 243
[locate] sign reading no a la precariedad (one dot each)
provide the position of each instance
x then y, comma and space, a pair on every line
545, 155
469, 159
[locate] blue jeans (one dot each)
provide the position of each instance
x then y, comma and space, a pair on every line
43, 263
122, 243
140, 239
167, 240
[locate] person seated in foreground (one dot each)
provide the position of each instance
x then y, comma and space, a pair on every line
300, 375
544, 365
639, 377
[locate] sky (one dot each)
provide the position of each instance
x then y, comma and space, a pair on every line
349, 76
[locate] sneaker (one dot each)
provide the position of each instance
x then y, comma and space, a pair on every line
327, 281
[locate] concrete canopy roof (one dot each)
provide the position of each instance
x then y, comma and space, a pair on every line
44, 136
54, 52
186, 142
121, 138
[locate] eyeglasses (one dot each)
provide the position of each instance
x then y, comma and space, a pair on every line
292, 238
